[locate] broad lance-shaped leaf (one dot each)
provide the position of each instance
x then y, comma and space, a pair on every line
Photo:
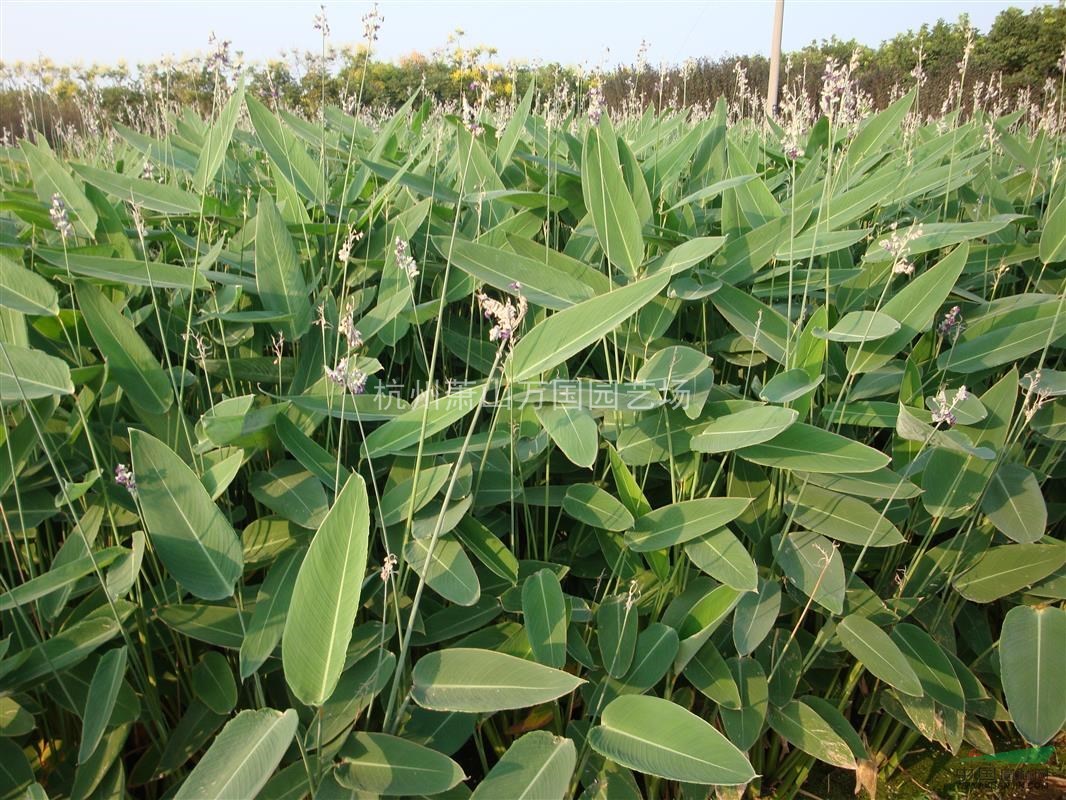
805, 447
1009, 568
466, 679
567, 332
27, 374
325, 598
537, 766
542, 284
743, 429
271, 608
607, 197
878, 653
191, 536
843, 518
1014, 504
242, 757
131, 363
805, 728
681, 522
51, 178
544, 613
278, 278
423, 421
574, 432
1030, 659
25, 291
217, 141
616, 633
100, 703
143, 193
287, 153
913, 307
380, 764
657, 737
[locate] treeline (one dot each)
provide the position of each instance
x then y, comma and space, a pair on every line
1022, 53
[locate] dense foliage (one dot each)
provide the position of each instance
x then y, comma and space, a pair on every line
529, 455
1019, 61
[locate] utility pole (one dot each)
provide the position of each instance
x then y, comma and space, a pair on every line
775, 57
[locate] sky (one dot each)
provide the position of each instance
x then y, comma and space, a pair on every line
576, 32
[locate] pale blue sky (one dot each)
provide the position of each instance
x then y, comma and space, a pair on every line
575, 31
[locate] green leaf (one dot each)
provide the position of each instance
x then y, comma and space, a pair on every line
60, 577
212, 683
843, 518
722, 556
755, 615
544, 613
657, 737
745, 428
1030, 659
537, 766
271, 607
681, 522
616, 633
27, 374
687, 255
380, 764
913, 307
278, 277
1053, 235
472, 680
878, 653
813, 564
487, 548
745, 724
574, 432
217, 141
131, 363
325, 598
26, 292
221, 626
50, 177
242, 757
69, 647
1010, 568
1001, 345
447, 570
804, 447
657, 647
291, 491
121, 271
765, 328
931, 664
286, 153
803, 727
787, 386
595, 507
709, 673
611, 206
1014, 504
567, 332
877, 131
191, 536
860, 326
100, 702
422, 421
145, 194
542, 284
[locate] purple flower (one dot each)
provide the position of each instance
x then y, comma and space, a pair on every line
124, 477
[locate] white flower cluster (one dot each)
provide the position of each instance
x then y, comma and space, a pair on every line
897, 244
405, 260
506, 316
